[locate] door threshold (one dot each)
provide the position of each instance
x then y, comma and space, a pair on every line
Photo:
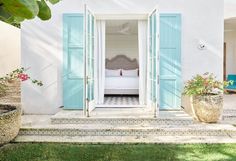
119, 106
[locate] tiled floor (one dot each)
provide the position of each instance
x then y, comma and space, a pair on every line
121, 100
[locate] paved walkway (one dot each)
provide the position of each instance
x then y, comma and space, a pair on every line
107, 125
230, 102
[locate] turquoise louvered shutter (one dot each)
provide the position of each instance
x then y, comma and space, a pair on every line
170, 61
73, 61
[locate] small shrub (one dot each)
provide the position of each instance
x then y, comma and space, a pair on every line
16, 75
205, 84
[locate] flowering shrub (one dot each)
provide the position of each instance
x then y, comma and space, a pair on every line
19, 74
205, 84
23, 77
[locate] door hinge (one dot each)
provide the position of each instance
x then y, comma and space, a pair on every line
87, 107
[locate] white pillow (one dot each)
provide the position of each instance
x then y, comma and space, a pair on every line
130, 73
113, 73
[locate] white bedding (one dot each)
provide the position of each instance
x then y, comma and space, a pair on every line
121, 85
122, 82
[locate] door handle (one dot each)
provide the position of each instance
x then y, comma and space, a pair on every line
87, 79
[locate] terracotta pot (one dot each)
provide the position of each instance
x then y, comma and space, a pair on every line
10, 122
207, 108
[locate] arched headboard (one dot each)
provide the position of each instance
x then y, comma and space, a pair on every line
121, 62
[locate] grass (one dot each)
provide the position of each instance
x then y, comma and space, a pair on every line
117, 152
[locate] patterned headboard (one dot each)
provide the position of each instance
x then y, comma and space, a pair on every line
121, 62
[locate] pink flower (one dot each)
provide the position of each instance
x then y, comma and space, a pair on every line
23, 77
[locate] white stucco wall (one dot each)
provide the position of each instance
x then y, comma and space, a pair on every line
229, 8
9, 48
202, 20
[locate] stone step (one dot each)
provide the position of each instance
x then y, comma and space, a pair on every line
229, 111
127, 139
123, 121
134, 130
229, 117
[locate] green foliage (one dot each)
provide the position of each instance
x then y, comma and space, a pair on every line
54, 1
44, 10
21, 8
205, 84
16, 11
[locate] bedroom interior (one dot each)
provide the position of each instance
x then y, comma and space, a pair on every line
121, 64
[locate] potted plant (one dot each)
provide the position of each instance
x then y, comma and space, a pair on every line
10, 114
206, 94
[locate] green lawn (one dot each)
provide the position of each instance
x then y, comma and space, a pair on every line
119, 152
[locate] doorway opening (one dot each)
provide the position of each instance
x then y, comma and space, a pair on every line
121, 87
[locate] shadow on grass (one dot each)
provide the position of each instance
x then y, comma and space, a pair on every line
117, 152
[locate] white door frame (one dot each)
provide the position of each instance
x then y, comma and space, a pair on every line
89, 105
123, 16
128, 16
150, 104
137, 17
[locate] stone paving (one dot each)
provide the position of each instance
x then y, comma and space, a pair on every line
107, 125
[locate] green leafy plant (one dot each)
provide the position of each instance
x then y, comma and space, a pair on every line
20, 75
205, 84
16, 75
16, 11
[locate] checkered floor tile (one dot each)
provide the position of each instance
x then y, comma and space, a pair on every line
121, 100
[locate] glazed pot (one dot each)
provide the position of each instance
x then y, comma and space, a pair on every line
207, 108
10, 122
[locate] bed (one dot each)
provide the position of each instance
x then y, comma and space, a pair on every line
125, 83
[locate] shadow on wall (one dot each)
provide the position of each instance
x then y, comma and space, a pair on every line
42, 55
123, 5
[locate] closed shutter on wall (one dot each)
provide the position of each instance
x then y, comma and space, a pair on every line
170, 61
73, 61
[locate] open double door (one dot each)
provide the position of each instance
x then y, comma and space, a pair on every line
78, 61
153, 83
164, 81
